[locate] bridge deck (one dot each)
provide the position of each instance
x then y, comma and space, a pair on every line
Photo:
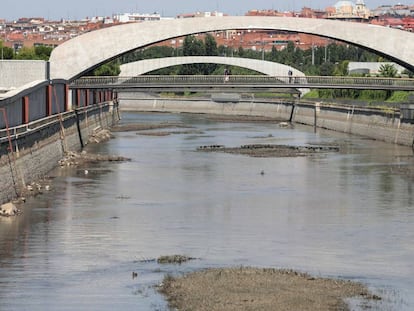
250, 82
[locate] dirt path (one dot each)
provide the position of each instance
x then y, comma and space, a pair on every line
252, 289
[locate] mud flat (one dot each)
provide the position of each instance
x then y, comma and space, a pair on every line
145, 127
246, 288
268, 150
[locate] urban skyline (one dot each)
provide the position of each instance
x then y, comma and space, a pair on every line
78, 9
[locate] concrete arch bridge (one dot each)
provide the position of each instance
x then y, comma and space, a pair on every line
265, 67
147, 65
86, 52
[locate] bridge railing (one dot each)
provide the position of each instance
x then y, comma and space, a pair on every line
177, 79
252, 80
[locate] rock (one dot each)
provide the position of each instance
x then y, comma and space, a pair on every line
8, 209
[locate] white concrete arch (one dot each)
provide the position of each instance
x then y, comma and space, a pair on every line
265, 67
268, 68
74, 57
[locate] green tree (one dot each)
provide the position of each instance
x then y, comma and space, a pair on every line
108, 69
341, 69
211, 49
327, 69
26, 53
43, 52
193, 47
6, 52
240, 52
210, 45
387, 70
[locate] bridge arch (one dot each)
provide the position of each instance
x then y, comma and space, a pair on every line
268, 68
147, 65
81, 54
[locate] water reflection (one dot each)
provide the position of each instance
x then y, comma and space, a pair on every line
339, 214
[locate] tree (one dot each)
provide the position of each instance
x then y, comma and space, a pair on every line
327, 69
26, 53
37, 53
387, 70
43, 52
193, 47
240, 51
6, 52
210, 45
211, 49
108, 69
342, 68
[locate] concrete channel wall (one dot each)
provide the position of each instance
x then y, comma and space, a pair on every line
378, 124
38, 150
16, 73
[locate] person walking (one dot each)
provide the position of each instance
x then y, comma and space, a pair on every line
226, 75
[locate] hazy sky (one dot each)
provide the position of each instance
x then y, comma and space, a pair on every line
77, 9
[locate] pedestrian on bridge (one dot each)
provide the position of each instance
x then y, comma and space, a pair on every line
290, 74
226, 75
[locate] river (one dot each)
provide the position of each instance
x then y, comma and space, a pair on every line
345, 214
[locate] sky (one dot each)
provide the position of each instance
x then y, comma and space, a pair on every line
78, 9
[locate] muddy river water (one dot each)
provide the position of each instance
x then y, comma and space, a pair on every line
346, 214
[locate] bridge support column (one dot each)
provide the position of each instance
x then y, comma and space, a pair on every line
78, 98
49, 100
87, 94
68, 98
25, 110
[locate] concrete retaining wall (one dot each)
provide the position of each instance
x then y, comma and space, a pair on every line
278, 110
38, 151
15, 73
372, 123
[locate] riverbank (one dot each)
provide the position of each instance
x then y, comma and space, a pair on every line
247, 288
38, 149
377, 123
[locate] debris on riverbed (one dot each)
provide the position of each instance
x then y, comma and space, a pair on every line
167, 133
74, 158
269, 150
247, 288
37, 187
9, 210
240, 118
146, 126
167, 259
173, 259
99, 136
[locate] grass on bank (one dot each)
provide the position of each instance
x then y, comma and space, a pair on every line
374, 98
370, 96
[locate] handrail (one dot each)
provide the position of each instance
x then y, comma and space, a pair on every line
38, 124
274, 81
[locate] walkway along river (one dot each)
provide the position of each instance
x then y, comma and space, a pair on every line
344, 214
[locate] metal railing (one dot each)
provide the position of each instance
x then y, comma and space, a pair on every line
148, 81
